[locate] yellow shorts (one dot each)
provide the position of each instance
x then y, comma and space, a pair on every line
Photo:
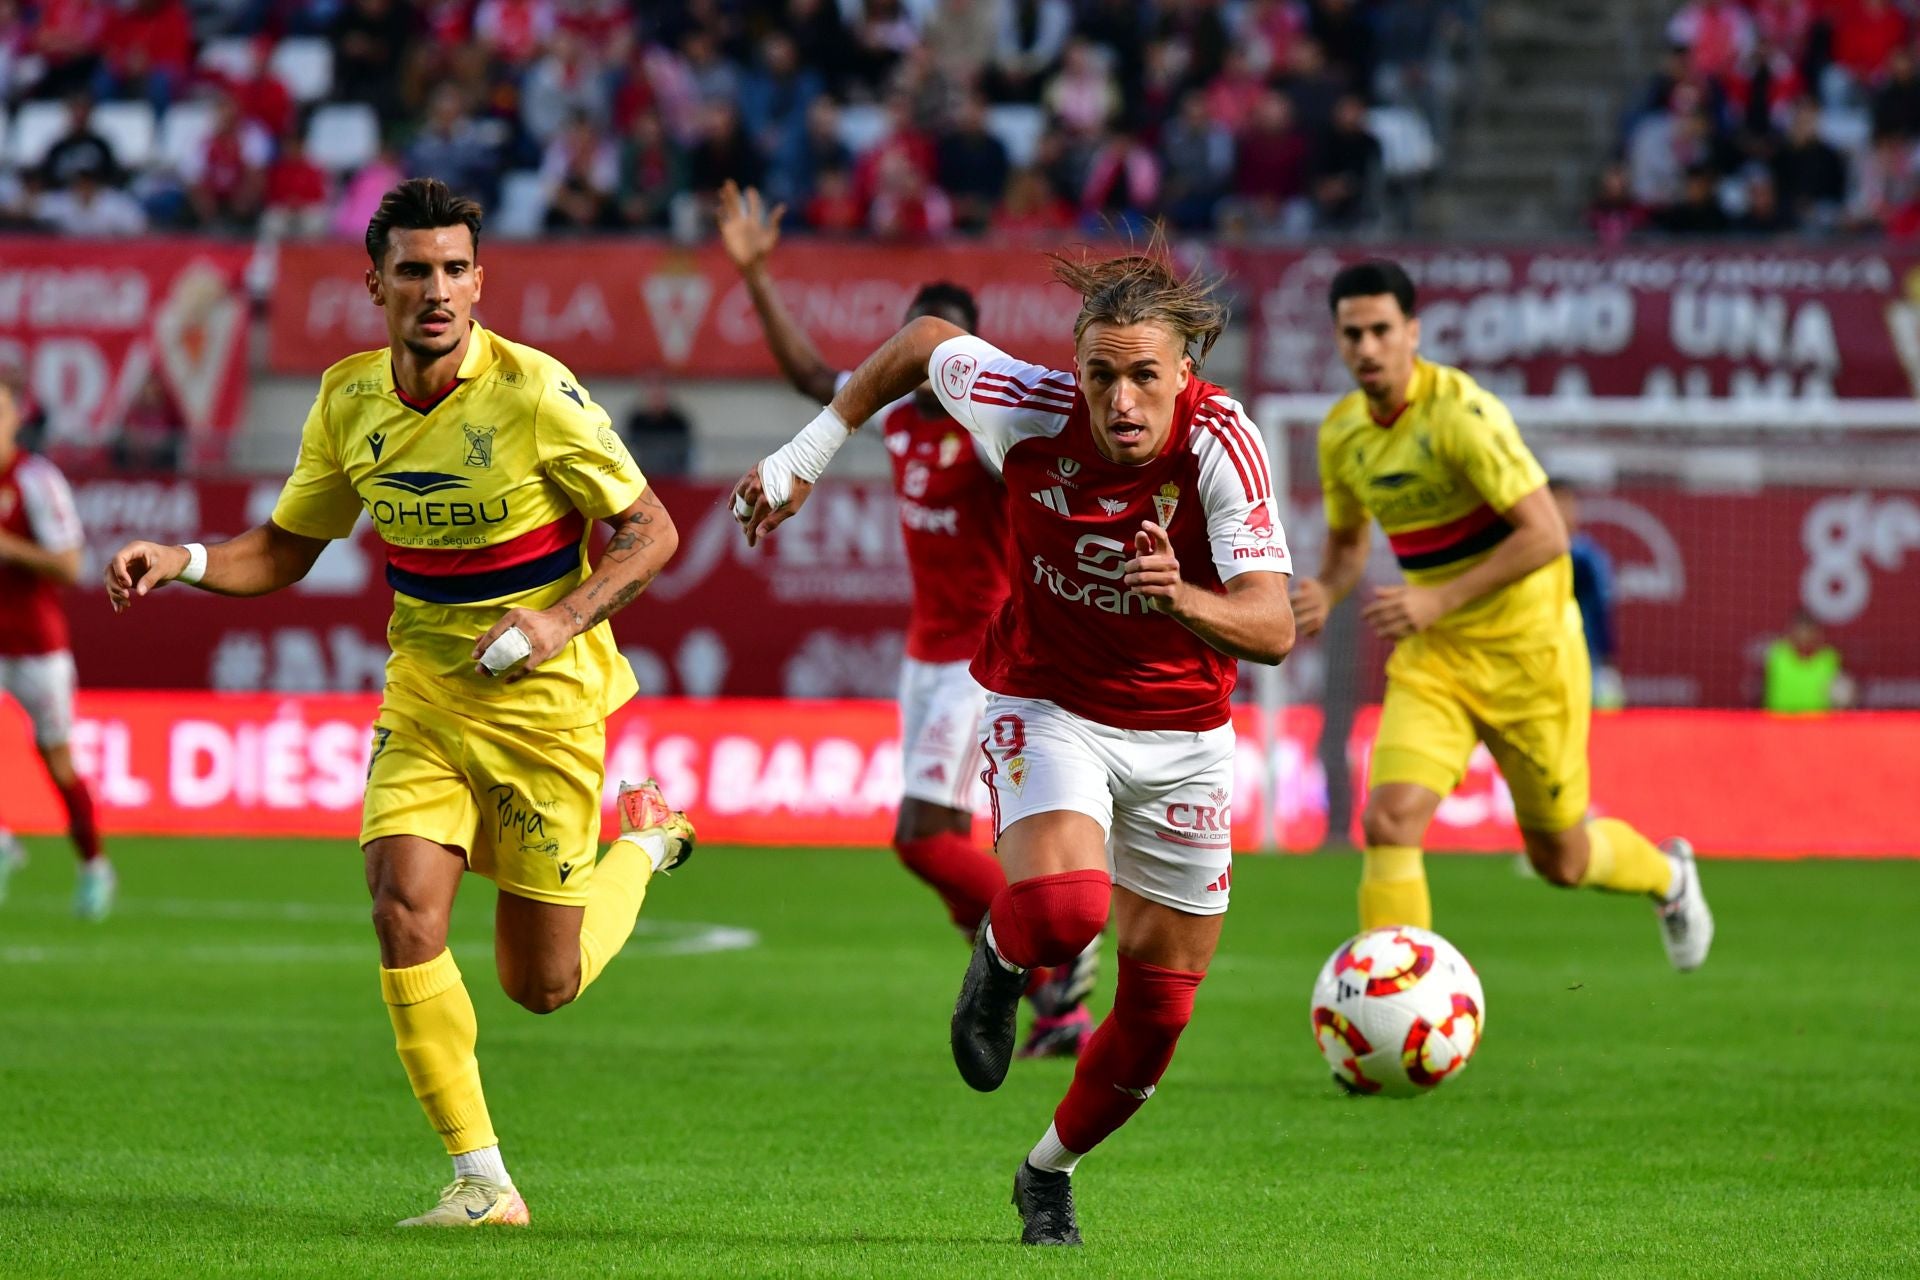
1530, 706
523, 803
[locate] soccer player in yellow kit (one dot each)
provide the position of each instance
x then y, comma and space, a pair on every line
1487, 638
483, 464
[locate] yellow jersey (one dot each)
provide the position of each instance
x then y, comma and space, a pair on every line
485, 498
1437, 478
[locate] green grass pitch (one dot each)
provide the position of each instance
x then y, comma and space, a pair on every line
206, 1084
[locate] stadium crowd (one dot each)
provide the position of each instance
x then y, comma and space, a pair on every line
892, 118
1773, 117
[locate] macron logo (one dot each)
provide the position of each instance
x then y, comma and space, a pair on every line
1053, 499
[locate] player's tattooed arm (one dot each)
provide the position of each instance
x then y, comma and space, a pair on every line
644, 539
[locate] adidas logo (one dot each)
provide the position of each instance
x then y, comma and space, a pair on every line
1223, 883
1053, 499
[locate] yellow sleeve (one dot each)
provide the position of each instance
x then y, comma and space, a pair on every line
581, 453
1481, 439
318, 500
1343, 505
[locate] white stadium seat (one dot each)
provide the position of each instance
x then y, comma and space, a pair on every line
862, 125
343, 136
522, 211
36, 127
230, 57
183, 130
1018, 127
129, 129
305, 65
1407, 148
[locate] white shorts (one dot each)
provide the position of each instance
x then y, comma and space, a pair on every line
42, 683
1163, 797
940, 733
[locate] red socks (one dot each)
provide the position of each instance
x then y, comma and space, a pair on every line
965, 876
80, 822
1128, 1054
1049, 920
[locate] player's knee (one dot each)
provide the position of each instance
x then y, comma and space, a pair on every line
1555, 860
1068, 928
413, 935
542, 995
1385, 822
1155, 1001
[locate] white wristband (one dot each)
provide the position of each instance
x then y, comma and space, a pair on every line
196, 564
805, 457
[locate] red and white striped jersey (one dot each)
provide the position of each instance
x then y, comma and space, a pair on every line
1071, 632
35, 504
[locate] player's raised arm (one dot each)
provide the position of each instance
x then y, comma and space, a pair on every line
263, 559
779, 483
749, 233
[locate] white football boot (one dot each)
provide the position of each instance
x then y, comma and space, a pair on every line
1686, 924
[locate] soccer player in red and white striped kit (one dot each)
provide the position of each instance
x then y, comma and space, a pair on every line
951, 503
40, 546
1147, 558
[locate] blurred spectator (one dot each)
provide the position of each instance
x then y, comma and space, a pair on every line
883, 31
1083, 95
906, 206
835, 208
226, 175
1666, 144
652, 169
1313, 90
1345, 33
454, 147
1122, 187
775, 101
1031, 41
1760, 94
514, 30
1889, 188
1762, 215
565, 82
1865, 34
1593, 592
821, 37
1197, 158
361, 196
1119, 28
1613, 215
368, 38
89, 206
1346, 171
297, 193
80, 149
1808, 173
1416, 40
1032, 208
722, 151
714, 75
902, 135
1697, 211
1233, 93
19, 68
971, 165
580, 173
1197, 30
1267, 29
1717, 34
658, 432
792, 174
1272, 167
263, 97
147, 51
1803, 671
66, 40
962, 36
1784, 24
1896, 102
153, 430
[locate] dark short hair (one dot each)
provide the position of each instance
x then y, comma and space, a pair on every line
420, 204
1369, 279
944, 295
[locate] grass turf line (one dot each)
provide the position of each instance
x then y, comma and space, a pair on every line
206, 1085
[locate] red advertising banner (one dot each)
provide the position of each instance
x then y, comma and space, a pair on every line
108, 329
828, 773
820, 612
624, 306
1794, 323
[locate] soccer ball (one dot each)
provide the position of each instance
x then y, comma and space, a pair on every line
1397, 1010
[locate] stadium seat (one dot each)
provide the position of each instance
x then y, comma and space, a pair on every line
305, 65
522, 211
230, 57
1848, 129
1019, 127
36, 127
185, 127
129, 129
1407, 148
343, 136
862, 124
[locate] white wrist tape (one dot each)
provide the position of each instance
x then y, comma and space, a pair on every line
509, 647
805, 457
196, 564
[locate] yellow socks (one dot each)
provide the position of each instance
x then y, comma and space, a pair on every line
613, 904
434, 1030
1393, 887
1622, 860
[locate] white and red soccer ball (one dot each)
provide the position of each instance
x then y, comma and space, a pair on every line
1397, 1010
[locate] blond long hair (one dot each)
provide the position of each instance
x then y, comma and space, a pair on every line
1144, 288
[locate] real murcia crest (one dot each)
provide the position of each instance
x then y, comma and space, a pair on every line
479, 445
1165, 503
